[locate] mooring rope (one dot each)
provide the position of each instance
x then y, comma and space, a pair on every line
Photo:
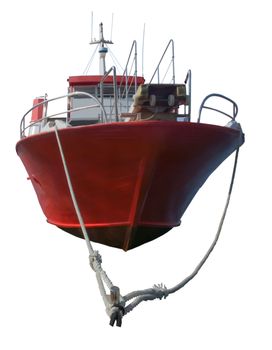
160, 291
94, 256
115, 303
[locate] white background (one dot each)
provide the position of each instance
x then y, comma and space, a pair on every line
48, 296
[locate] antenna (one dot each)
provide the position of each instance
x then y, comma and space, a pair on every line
143, 50
111, 26
92, 27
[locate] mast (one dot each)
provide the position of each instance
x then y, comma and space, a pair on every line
102, 49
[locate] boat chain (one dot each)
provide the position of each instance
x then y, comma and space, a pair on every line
115, 303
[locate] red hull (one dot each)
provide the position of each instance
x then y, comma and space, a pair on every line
133, 181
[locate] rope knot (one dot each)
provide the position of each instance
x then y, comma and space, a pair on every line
95, 260
161, 290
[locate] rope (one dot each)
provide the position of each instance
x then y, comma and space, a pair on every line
94, 256
115, 303
160, 291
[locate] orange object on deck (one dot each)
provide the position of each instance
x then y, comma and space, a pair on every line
37, 113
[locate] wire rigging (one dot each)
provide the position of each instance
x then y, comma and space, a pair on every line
86, 70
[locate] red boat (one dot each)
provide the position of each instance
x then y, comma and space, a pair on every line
135, 158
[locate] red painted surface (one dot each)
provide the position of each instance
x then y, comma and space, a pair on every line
133, 181
37, 112
96, 79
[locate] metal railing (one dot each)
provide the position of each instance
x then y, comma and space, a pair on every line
202, 106
112, 69
23, 126
127, 81
172, 62
188, 82
120, 91
127, 73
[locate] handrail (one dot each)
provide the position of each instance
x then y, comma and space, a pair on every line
113, 68
45, 102
125, 75
171, 41
235, 107
188, 80
56, 114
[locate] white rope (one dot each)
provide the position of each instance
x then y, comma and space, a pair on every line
160, 291
116, 303
94, 256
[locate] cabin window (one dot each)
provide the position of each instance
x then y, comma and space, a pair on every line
93, 115
80, 114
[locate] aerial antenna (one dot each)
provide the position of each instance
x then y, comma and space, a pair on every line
102, 43
143, 50
92, 27
111, 26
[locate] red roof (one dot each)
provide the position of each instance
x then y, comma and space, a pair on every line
95, 79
